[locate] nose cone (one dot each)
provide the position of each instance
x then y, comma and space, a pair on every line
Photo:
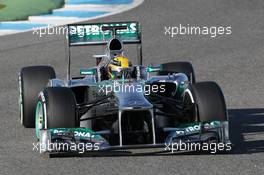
131, 96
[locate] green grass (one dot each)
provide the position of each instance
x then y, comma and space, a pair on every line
2, 6
11, 10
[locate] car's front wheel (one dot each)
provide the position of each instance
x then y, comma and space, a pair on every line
32, 80
56, 108
209, 102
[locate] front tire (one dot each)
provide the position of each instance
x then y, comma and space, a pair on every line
56, 108
31, 81
209, 100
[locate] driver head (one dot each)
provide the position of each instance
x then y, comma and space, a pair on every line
117, 65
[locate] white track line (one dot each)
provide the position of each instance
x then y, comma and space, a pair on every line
53, 20
9, 32
58, 21
92, 7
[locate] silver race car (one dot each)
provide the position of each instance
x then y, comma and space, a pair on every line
117, 105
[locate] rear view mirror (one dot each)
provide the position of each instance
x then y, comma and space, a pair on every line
88, 71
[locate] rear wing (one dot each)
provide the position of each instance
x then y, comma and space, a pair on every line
100, 33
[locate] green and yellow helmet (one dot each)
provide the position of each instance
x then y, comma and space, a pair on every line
116, 66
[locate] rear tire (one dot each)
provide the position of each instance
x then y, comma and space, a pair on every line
31, 81
209, 100
178, 67
56, 108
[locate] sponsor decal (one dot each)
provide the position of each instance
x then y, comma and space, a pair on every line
90, 33
83, 30
196, 128
83, 134
86, 134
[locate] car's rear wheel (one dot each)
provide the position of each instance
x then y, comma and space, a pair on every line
178, 67
209, 101
56, 108
31, 81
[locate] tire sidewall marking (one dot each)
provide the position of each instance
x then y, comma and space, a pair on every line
20, 98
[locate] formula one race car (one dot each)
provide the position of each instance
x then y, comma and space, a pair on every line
116, 105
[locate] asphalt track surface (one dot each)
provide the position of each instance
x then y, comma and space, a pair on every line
235, 62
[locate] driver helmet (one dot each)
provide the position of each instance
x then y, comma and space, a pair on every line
116, 66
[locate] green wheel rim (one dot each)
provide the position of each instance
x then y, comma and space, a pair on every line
39, 118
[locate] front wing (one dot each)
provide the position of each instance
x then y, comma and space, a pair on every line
84, 140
